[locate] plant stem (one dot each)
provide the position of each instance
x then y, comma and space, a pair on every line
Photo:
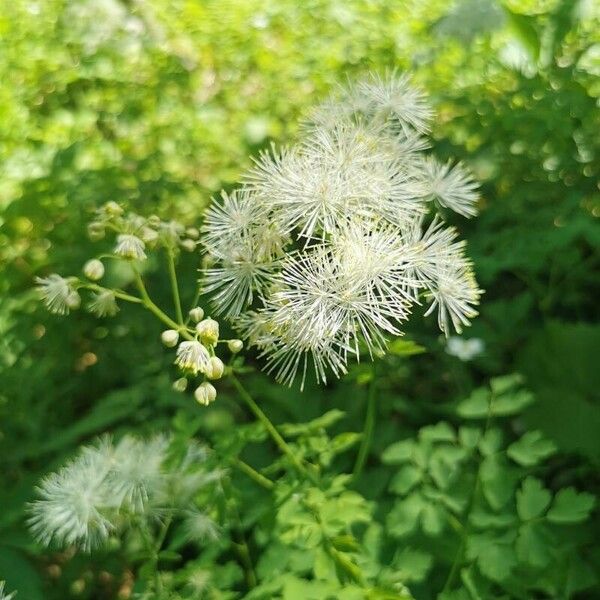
253, 474
369, 427
174, 286
466, 527
155, 310
194, 303
262, 417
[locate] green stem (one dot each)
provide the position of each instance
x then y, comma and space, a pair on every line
253, 474
369, 427
240, 547
194, 303
465, 530
174, 286
155, 310
262, 417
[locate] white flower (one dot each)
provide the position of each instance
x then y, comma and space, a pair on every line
137, 474
130, 246
104, 304
192, 356
208, 331
58, 294
199, 527
328, 247
73, 504
216, 368
452, 186
465, 350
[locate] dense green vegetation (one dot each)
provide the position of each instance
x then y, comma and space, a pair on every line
481, 477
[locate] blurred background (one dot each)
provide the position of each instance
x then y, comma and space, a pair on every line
158, 104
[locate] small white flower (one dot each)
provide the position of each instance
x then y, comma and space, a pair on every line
465, 350
199, 527
73, 504
130, 247
192, 356
452, 186
58, 294
104, 304
208, 331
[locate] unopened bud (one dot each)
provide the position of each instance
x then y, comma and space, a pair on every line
169, 338
192, 232
205, 393
188, 245
113, 209
197, 314
235, 346
154, 221
180, 385
208, 330
93, 269
215, 368
95, 231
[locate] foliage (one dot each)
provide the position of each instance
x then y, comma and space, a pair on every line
158, 105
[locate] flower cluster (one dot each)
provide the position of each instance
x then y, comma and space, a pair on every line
100, 492
197, 355
327, 246
135, 234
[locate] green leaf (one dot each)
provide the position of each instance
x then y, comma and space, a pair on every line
440, 432
506, 383
398, 452
405, 479
485, 520
494, 555
531, 449
412, 564
532, 499
569, 506
491, 441
497, 481
404, 516
469, 436
511, 404
433, 520
476, 406
323, 422
400, 347
534, 542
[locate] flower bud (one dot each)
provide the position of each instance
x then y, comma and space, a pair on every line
180, 385
95, 231
205, 393
208, 330
215, 368
169, 338
188, 245
73, 300
235, 346
192, 233
113, 209
154, 221
197, 314
93, 269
